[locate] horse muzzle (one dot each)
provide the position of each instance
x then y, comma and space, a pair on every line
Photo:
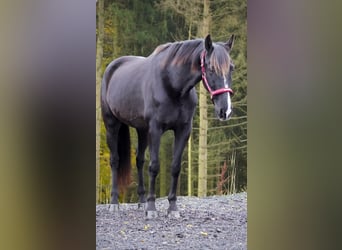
224, 114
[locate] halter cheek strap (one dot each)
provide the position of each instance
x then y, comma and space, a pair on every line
205, 81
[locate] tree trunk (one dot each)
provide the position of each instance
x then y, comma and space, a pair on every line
115, 33
189, 168
99, 55
189, 146
203, 122
164, 153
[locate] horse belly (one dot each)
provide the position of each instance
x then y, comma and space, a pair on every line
130, 115
136, 122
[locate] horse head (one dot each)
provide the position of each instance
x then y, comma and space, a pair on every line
217, 68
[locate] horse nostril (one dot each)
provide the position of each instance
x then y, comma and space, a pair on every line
222, 114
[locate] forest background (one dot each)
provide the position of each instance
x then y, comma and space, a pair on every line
215, 160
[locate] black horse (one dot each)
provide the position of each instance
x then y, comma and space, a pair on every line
154, 94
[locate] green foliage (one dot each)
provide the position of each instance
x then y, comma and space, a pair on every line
137, 27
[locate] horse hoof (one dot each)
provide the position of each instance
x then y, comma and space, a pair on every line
173, 214
141, 205
113, 208
151, 214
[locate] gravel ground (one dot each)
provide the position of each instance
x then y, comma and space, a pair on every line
215, 222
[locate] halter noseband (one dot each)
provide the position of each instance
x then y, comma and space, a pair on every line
205, 81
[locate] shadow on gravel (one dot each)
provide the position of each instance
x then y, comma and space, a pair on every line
215, 222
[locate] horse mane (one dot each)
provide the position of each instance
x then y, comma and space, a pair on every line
220, 60
179, 53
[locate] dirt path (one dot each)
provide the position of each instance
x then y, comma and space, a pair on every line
216, 222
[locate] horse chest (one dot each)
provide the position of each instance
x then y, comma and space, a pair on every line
171, 116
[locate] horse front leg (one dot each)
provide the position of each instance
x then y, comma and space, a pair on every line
154, 143
181, 137
140, 159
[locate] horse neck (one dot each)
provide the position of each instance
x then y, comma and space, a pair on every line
184, 77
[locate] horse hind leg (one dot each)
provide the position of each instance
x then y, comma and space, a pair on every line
140, 159
112, 127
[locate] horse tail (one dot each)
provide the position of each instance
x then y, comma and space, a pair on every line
124, 150
124, 144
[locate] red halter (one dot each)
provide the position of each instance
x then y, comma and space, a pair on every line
205, 81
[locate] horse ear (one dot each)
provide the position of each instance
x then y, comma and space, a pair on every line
208, 44
229, 44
